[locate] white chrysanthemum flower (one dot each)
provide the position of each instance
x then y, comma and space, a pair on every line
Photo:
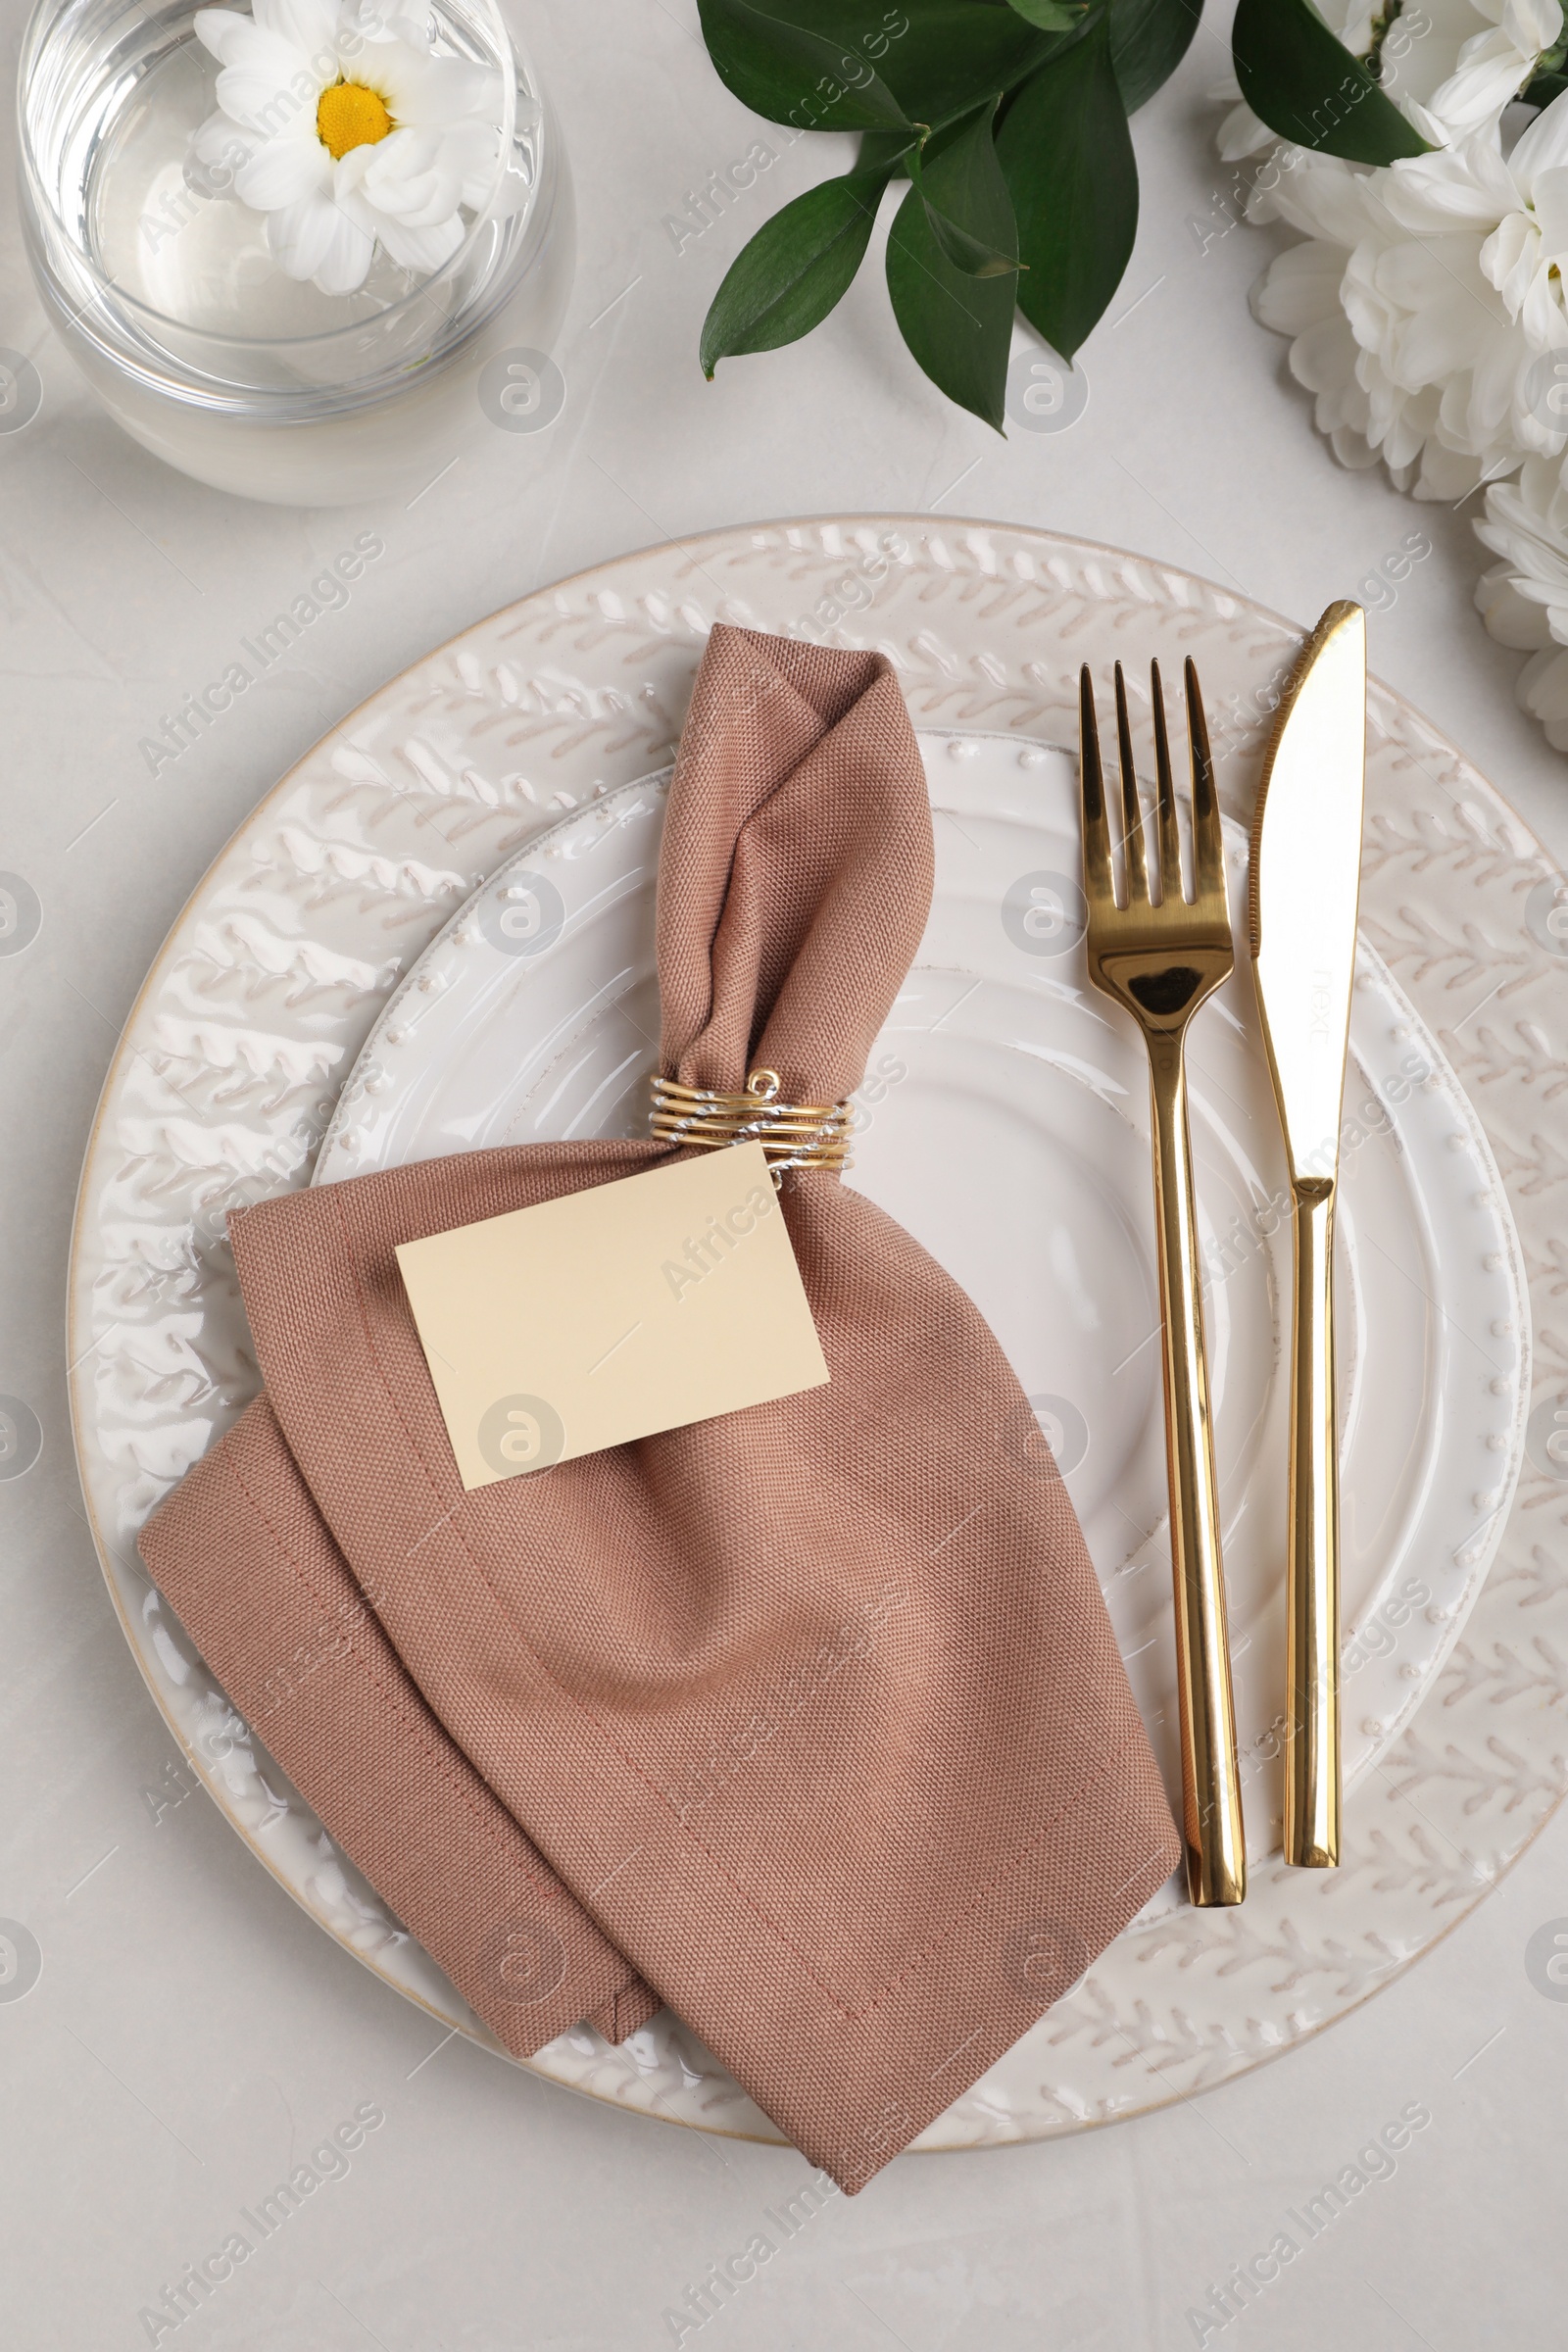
1394, 328
348, 133
1421, 307
1426, 304
1524, 599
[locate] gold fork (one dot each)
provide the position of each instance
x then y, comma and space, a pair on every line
1161, 959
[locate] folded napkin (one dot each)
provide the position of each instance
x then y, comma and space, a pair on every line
243, 1556
813, 1708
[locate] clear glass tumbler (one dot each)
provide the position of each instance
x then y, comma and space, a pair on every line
162, 287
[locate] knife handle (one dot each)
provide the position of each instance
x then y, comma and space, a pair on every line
1312, 1572
1211, 1795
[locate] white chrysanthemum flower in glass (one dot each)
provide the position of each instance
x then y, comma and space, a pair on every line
348, 133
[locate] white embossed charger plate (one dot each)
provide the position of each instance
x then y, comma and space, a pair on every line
1003, 1122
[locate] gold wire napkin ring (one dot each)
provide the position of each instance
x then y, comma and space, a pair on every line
793, 1135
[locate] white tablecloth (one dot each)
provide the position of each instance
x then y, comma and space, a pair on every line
192, 2035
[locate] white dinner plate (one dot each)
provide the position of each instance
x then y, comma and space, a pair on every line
1003, 1122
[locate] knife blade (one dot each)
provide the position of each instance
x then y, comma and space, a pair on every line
1303, 892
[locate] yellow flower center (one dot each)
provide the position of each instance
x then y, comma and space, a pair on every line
349, 115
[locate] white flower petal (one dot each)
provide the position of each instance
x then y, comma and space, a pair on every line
1465, 184
1242, 134
347, 258
421, 90
1544, 691
249, 50
1491, 71
1301, 288
1352, 451
220, 141
308, 25
424, 248
1510, 617
485, 188
1323, 197
300, 233
1422, 120
1544, 144
1533, 25
1508, 259
218, 29
349, 170
1540, 314
1421, 52
471, 146
1550, 196
282, 172
1323, 357
418, 203
403, 176
265, 105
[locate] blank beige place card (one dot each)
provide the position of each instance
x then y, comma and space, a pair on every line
635, 1307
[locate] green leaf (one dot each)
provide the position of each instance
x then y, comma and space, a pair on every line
1305, 85
790, 73
1049, 16
794, 270
973, 255
957, 326
886, 151
1544, 90
953, 55
1066, 155
1149, 39
936, 58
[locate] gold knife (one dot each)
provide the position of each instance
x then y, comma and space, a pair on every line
1303, 891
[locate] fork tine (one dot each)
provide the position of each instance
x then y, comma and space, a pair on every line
1170, 840
1208, 841
1100, 886
1131, 814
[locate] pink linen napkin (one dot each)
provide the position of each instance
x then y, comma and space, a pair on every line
813, 1710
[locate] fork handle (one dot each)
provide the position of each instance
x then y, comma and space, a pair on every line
1211, 1798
